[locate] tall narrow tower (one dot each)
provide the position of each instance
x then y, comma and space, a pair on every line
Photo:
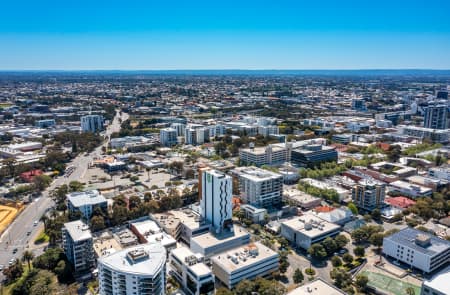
216, 202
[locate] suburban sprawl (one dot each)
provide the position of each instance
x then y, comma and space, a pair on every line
224, 183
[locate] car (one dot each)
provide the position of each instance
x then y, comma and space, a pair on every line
35, 223
1, 267
28, 232
396, 263
15, 250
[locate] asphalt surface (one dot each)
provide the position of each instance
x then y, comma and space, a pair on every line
22, 231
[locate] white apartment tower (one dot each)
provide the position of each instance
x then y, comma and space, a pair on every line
216, 203
140, 270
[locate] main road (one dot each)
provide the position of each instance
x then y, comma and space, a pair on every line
20, 232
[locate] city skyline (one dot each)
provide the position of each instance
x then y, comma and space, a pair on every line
253, 35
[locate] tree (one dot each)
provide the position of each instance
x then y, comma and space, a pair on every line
245, 287
359, 251
220, 148
341, 241
317, 251
330, 246
361, 282
134, 202
97, 223
14, 271
284, 263
352, 208
336, 261
348, 258
119, 215
49, 260
75, 186
41, 182
394, 153
27, 256
341, 278
298, 276
376, 214
63, 271
376, 239
223, 291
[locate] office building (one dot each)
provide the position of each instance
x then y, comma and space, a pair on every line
247, 262
417, 249
259, 187
439, 284
440, 172
191, 272
209, 244
78, 246
409, 189
369, 194
307, 229
257, 215
437, 117
139, 270
92, 123
434, 135
148, 231
313, 155
300, 199
216, 205
168, 137
269, 155
85, 202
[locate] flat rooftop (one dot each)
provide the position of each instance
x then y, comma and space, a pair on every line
78, 230
244, 256
256, 174
298, 195
188, 217
316, 287
407, 237
79, 199
208, 239
440, 281
146, 227
106, 244
310, 225
199, 268
145, 260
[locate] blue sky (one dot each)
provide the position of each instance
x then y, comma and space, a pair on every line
297, 34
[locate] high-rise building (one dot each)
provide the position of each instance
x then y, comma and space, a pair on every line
437, 117
179, 127
369, 194
78, 246
85, 202
259, 187
92, 123
216, 202
140, 270
168, 136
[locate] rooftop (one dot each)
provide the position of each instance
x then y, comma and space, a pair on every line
79, 199
208, 239
439, 282
78, 230
194, 261
144, 260
244, 256
311, 225
410, 237
318, 287
256, 174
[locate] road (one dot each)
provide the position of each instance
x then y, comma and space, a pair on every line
21, 231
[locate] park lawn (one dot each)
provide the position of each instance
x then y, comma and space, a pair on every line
42, 238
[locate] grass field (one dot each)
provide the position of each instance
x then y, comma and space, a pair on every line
7, 215
389, 284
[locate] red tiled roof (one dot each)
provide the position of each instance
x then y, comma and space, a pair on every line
323, 209
401, 202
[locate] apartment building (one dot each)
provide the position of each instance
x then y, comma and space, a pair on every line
139, 270
369, 194
78, 246
85, 202
168, 137
92, 123
259, 187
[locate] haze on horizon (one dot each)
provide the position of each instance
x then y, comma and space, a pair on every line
150, 35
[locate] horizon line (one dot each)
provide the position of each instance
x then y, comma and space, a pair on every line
221, 69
